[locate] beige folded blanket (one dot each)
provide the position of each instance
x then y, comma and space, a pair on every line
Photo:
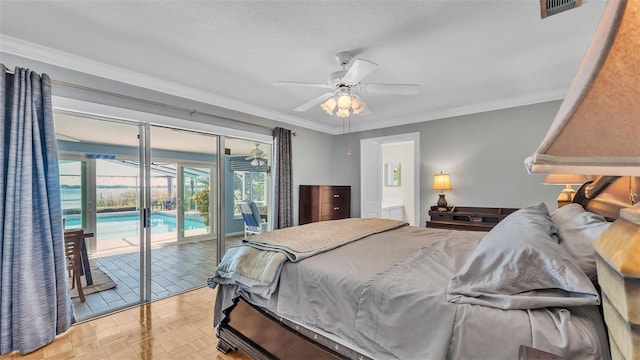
300, 242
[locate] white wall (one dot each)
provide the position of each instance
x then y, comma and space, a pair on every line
484, 154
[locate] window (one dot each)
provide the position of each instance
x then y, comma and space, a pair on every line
250, 185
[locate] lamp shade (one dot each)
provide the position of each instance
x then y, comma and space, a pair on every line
344, 101
565, 179
597, 128
441, 182
329, 105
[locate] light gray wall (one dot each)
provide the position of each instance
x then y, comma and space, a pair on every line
484, 154
312, 162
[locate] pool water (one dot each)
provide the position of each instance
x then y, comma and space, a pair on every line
127, 224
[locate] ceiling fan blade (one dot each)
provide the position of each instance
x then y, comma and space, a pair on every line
358, 71
308, 105
398, 89
303, 84
366, 111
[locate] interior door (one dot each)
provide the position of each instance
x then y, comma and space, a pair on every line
371, 180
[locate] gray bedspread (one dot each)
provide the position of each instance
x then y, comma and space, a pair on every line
393, 302
256, 263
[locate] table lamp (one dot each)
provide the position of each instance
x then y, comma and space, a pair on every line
441, 182
568, 180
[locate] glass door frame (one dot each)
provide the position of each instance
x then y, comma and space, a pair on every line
89, 207
180, 201
88, 181
144, 148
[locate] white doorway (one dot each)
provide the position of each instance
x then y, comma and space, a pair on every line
390, 176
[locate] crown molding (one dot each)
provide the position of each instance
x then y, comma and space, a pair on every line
28, 50
530, 99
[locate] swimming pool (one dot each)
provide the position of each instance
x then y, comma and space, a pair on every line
125, 224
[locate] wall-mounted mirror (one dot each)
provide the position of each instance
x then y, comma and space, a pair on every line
392, 174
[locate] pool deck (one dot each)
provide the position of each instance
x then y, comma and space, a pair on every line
132, 244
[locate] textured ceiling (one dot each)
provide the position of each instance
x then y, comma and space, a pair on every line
468, 56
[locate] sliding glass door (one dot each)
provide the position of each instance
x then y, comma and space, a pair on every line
248, 179
183, 226
101, 181
150, 199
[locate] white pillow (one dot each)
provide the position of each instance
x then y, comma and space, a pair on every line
520, 265
578, 229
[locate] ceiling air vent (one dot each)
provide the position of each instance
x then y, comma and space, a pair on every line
552, 7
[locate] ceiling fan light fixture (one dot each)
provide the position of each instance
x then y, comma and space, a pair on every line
329, 105
357, 105
344, 83
342, 113
257, 157
344, 105
344, 101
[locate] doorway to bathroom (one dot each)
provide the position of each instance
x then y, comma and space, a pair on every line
390, 177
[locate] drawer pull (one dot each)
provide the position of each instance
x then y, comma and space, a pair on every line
336, 195
336, 208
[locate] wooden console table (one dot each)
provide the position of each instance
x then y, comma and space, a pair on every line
467, 218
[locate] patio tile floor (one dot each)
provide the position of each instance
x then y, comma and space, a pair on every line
175, 268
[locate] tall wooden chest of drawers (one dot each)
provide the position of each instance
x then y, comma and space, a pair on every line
323, 202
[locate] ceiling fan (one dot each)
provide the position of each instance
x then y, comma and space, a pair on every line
257, 157
348, 81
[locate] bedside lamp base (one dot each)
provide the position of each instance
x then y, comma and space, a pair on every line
442, 202
566, 196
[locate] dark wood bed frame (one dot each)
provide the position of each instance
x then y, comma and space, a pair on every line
263, 335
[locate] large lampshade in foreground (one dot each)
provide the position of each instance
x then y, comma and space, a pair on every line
597, 131
597, 128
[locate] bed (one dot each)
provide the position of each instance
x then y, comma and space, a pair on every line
400, 292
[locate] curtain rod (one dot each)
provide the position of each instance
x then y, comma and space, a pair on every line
155, 103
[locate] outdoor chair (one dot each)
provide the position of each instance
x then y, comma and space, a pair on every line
72, 249
253, 223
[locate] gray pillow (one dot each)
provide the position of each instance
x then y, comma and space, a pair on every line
578, 229
520, 265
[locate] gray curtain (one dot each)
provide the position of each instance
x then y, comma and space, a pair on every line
34, 297
283, 216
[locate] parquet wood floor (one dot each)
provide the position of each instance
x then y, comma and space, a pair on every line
179, 327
